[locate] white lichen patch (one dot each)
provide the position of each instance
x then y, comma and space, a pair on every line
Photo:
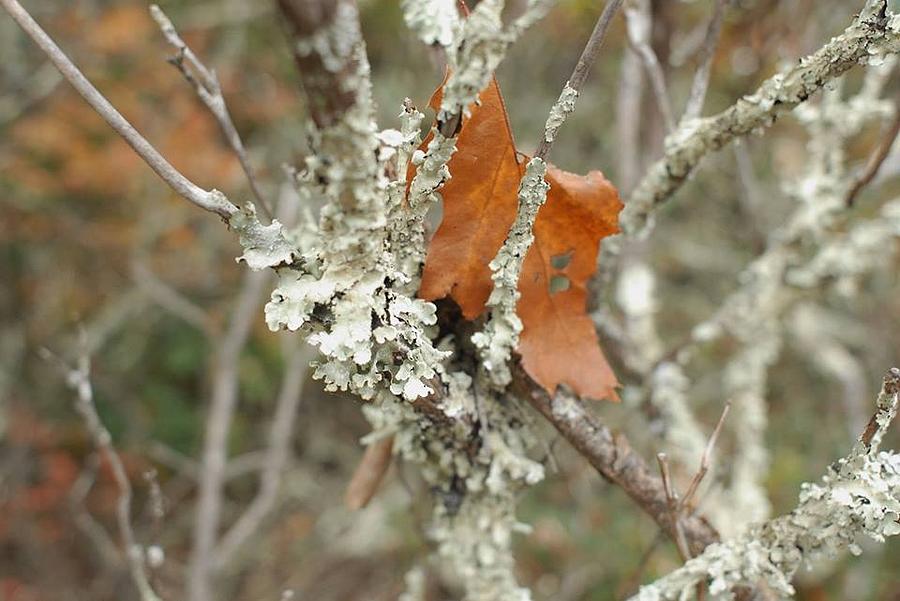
264, 246
351, 288
559, 111
869, 35
433, 21
858, 498
501, 333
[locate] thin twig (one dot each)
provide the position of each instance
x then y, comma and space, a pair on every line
705, 459
223, 400
78, 379
206, 85
584, 64
612, 456
674, 506
699, 85
876, 159
170, 299
639, 22
210, 200
276, 457
868, 34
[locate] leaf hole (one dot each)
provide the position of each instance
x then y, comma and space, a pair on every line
559, 283
561, 261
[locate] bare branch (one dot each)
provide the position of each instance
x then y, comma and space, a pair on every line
170, 299
628, 120
576, 80
210, 200
79, 380
612, 456
705, 459
369, 473
674, 506
857, 497
276, 456
694, 105
206, 85
876, 159
639, 22
222, 404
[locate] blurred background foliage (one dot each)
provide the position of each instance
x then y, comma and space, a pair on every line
84, 226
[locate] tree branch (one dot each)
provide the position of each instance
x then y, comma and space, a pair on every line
576, 81
612, 456
79, 379
209, 200
206, 85
857, 497
869, 34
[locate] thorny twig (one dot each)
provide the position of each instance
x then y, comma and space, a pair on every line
206, 84
704, 461
674, 506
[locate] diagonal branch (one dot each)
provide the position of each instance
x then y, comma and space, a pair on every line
612, 456
206, 84
869, 34
78, 378
210, 200
858, 497
566, 102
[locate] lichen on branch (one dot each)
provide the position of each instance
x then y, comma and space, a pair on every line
859, 497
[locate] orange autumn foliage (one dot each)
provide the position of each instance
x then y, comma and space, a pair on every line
558, 343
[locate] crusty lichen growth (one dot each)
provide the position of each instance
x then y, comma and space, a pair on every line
478, 51
871, 34
559, 111
847, 256
858, 498
351, 290
479, 45
501, 333
434, 21
346, 291
476, 481
752, 314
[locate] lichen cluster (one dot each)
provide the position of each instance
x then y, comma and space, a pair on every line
349, 282
858, 498
501, 334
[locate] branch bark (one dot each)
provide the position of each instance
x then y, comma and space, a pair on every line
869, 34
612, 456
209, 200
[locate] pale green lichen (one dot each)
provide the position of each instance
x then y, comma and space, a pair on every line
859, 497
501, 333
264, 245
559, 111
433, 21
351, 290
335, 44
868, 36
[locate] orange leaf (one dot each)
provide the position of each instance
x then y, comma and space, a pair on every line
558, 343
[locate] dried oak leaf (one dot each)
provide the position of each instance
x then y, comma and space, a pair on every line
558, 343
